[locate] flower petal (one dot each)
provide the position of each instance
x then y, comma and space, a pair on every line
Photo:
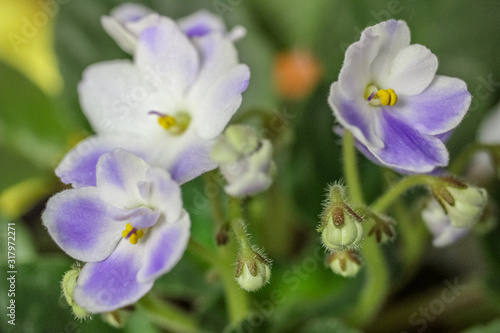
220, 102
164, 248
116, 98
164, 193
112, 283
118, 174
412, 71
438, 109
201, 23
116, 24
167, 52
355, 72
394, 36
439, 225
78, 166
219, 56
78, 222
192, 161
407, 149
357, 116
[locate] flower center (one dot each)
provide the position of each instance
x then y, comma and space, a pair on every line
176, 124
377, 97
132, 233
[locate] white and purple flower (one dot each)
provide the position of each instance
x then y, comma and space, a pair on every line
127, 21
167, 106
130, 229
389, 96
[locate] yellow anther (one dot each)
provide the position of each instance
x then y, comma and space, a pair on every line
127, 230
384, 96
139, 233
166, 121
133, 239
387, 97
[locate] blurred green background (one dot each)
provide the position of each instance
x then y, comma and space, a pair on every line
44, 47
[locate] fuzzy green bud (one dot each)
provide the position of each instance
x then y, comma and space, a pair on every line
68, 285
252, 273
463, 204
345, 263
341, 226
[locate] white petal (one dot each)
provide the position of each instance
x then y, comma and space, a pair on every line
118, 174
168, 53
412, 71
165, 246
394, 36
116, 99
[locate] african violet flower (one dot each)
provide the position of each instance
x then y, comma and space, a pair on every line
167, 106
127, 21
130, 229
244, 161
440, 226
389, 96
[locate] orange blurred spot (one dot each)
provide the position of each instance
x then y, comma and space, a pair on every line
296, 73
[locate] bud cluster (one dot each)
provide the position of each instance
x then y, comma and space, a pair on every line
341, 225
462, 203
253, 270
344, 263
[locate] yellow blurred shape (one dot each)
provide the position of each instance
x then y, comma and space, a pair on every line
27, 30
17, 199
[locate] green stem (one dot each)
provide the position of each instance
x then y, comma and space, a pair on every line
393, 193
351, 169
236, 298
459, 164
168, 316
376, 285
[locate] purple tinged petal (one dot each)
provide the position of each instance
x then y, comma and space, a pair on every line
201, 23
438, 109
192, 161
357, 116
169, 53
112, 283
407, 149
394, 36
79, 223
164, 248
118, 173
220, 102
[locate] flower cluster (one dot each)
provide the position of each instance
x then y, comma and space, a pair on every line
156, 120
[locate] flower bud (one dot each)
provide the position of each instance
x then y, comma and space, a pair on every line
439, 224
252, 273
68, 285
462, 203
345, 263
244, 161
341, 226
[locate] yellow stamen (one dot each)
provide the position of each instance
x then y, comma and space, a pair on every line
139, 233
387, 97
394, 97
133, 239
166, 121
127, 230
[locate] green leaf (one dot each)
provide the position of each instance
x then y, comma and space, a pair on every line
493, 327
30, 123
39, 305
